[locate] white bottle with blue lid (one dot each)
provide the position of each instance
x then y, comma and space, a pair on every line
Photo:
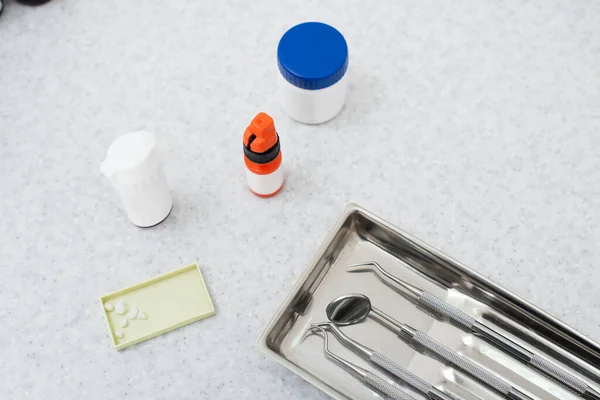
313, 60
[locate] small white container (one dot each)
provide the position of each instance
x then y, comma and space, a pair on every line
133, 167
313, 59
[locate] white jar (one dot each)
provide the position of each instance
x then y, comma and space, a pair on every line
313, 60
133, 167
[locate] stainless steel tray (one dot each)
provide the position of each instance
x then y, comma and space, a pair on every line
361, 236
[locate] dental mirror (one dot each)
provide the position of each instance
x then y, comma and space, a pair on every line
348, 309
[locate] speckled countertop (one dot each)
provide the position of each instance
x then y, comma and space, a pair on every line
473, 125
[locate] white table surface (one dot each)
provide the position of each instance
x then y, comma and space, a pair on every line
474, 126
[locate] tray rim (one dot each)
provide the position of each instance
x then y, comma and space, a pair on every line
169, 328
349, 210
261, 343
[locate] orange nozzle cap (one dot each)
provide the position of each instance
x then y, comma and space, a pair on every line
260, 135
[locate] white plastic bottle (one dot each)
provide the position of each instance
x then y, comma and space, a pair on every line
262, 156
133, 167
313, 60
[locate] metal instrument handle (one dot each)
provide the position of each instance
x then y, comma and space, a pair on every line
467, 366
382, 386
412, 380
439, 307
558, 374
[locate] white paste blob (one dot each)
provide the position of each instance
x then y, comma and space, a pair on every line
108, 307
141, 315
119, 334
121, 307
133, 312
124, 322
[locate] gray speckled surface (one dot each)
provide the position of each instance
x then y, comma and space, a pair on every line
474, 126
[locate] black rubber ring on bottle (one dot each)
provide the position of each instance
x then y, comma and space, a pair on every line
263, 158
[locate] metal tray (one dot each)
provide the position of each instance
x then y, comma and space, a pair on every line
361, 236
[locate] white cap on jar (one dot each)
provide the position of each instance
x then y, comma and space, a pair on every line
133, 167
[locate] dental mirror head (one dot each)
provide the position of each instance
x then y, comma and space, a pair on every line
349, 309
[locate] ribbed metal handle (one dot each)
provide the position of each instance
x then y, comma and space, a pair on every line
559, 374
462, 363
412, 380
438, 306
408, 377
382, 386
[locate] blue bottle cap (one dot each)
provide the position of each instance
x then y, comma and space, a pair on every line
312, 55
